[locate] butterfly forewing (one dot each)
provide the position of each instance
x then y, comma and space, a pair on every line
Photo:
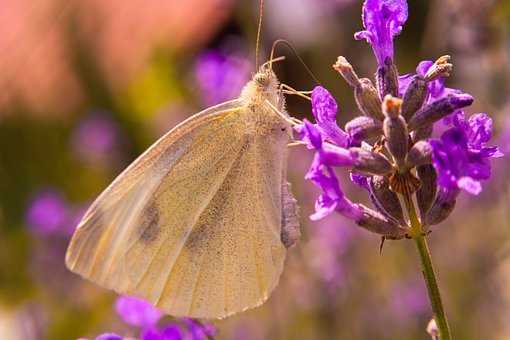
194, 224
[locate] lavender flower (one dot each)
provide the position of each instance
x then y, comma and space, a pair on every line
324, 109
460, 156
332, 199
146, 318
137, 312
383, 20
388, 149
220, 76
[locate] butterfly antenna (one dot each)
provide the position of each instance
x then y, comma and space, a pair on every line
259, 29
289, 45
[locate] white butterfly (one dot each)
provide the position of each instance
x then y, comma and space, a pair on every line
199, 223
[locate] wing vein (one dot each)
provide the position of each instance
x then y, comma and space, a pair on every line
196, 218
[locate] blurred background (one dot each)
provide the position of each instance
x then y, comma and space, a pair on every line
86, 86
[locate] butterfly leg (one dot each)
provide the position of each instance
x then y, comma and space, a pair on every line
286, 89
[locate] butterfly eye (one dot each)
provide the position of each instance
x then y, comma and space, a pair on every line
261, 79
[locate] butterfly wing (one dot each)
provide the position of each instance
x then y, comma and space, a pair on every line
193, 225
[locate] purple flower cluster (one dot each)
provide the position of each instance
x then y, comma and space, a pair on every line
389, 148
146, 318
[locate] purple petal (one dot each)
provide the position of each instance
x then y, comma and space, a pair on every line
480, 125
172, 332
324, 109
310, 134
199, 331
324, 206
470, 185
360, 180
460, 157
324, 106
383, 20
403, 83
423, 67
150, 334
137, 312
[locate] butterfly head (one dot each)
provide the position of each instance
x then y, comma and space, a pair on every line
262, 87
265, 79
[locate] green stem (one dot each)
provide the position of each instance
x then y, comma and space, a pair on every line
428, 270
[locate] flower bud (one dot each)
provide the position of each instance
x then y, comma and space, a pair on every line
368, 99
363, 128
431, 113
370, 162
343, 67
414, 97
427, 191
419, 154
387, 79
379, 224
365, 93
385, 200
395, 130
442, 207
422, 133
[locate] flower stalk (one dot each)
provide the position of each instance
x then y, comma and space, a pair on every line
418, 235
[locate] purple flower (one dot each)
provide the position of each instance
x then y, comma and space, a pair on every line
323, 176
137, 312
221, 76
141, 314
171, 332
96, 138
460, 156
383, 20
48, 212
324, 109
436, 87
199, 331
388, 143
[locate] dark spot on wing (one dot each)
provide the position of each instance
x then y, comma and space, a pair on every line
212, 220
150, 227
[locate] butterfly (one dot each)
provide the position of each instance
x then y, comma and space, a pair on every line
200, 223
